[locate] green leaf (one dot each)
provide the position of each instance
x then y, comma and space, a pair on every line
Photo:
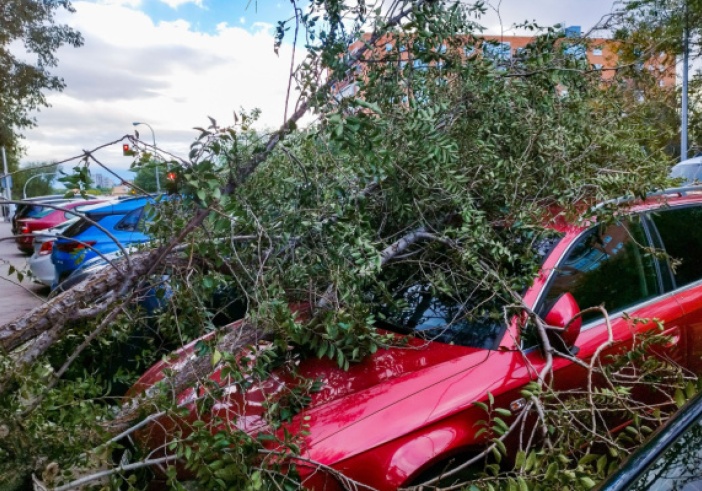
587, 482
551, 471
216, 357
680, 398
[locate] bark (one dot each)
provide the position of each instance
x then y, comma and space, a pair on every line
239, 336
68, 305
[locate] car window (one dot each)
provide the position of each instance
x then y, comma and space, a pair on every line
36, 211
689, 172
678, 468
475, 321
130, 221
147, 218
682, 240
608, 266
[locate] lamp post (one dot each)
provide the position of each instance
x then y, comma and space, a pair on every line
685, 68
153, 135
24, 189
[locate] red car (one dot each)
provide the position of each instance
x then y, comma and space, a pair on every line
402, 413
45, 217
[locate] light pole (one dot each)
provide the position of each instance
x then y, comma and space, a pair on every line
685, 68
24, 189
153, 135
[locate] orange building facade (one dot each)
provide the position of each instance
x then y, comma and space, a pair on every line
601, 55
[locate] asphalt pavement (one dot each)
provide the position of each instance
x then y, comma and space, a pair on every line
15, 298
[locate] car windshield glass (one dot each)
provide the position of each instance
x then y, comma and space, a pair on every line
474, 317
476, 321
36, 211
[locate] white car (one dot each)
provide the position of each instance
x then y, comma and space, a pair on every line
40, 262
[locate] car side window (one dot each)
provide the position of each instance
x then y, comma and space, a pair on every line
146, 219
130, 221
682, 239
607, 266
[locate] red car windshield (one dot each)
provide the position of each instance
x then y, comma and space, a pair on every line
475, 318
37, 211
474, 322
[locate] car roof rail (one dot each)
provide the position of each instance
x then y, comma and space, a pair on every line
671, 192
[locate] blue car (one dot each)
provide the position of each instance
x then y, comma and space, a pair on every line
123, 218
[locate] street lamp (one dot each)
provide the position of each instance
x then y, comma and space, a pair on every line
153, 135
24, 189
685, 68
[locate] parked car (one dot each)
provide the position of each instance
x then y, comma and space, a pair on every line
46, 217
40, 261
32, 207
122, 218
670, 460
690, 170
406, 412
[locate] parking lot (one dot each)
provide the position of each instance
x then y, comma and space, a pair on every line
15, 298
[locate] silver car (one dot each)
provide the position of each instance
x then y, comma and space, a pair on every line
40, 263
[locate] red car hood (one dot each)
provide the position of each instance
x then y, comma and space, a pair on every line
381, 398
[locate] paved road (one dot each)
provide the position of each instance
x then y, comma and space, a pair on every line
15, 298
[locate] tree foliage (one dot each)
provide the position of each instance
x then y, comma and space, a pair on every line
437, 172
38, 177
24, 79
662, 30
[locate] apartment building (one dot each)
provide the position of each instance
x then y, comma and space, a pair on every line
602, 55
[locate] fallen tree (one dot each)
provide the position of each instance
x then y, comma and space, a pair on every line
467, 157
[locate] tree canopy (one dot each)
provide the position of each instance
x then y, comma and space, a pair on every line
26, 77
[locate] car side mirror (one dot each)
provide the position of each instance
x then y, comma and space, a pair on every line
565, 322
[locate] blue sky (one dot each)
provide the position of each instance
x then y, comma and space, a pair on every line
175, 63
204, 16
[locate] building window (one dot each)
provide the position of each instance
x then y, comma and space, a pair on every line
403, 48
420, 65
388, 47
468, 50
497, 51
597, 66
441, 49
575, 51
597, 51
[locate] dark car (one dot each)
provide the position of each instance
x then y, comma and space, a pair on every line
401, 414
670, 460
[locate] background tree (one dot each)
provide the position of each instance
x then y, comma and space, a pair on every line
145, 177
656, 30
23, 80
39, 178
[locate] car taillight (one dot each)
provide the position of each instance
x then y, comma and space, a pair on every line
24, 229
46, 248
74, 246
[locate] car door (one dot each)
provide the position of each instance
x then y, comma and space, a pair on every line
680, 232
610, 265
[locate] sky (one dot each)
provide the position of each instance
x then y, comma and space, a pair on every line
175, 63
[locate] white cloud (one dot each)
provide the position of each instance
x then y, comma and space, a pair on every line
242, 20
174, 4
169, 75
165, 74
122, 3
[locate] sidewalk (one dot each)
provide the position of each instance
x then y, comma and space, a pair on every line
15, 299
